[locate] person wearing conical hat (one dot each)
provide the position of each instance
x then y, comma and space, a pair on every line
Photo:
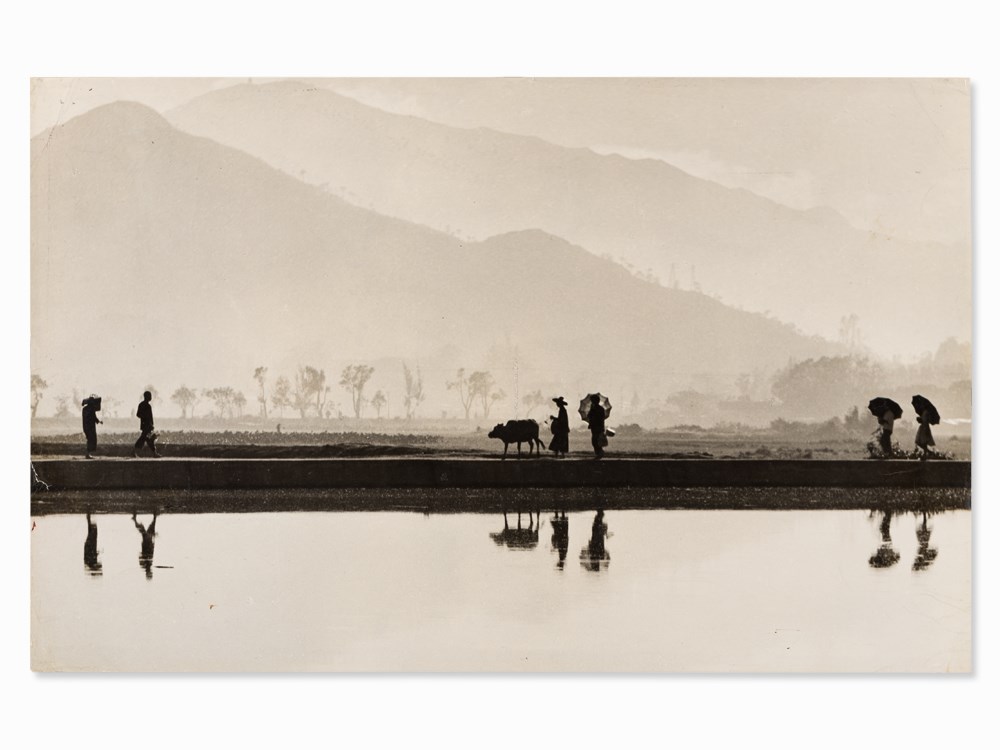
560, 430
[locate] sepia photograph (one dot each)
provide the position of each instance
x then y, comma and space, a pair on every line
501, 374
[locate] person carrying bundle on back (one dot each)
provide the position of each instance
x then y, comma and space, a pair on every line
91, 406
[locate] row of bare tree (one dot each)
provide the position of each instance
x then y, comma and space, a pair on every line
308, 392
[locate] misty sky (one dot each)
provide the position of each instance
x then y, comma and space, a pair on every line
890, 156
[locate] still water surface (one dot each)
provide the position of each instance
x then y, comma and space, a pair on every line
661, 590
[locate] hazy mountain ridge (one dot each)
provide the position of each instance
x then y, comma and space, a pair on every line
892, 155
477, 181
188, 261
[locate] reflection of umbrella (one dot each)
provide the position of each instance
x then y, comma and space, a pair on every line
921, 405
879, 406
586, 403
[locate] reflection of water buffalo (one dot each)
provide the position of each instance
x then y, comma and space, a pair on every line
518, 538
518, 431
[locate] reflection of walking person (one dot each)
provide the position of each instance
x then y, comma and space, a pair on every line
147, 434
91, 406
560, 537
90, 553
925, 553
560, 430
885, 556
595, 420
594, 556
146, 550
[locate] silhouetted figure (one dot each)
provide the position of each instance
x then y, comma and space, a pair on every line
886, 411
885, 556
518, 538
925, 553
595, 422
885, 435
927, 415
924, 439
91, 406
560, 430
560, 537
146, 550
147, 436
91, 560
594, 556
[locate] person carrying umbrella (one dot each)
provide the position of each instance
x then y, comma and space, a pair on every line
887, 412
560, 430
595, 409
927, 415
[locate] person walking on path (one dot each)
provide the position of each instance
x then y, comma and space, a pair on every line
91, 406
560, 430
885, 436
927, 414
147, 434
924, 439
595, 421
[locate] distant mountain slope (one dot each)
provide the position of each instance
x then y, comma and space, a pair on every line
751, 251
162, 257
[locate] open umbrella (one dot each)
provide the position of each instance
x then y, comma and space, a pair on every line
879, 406
586, 403
921, 404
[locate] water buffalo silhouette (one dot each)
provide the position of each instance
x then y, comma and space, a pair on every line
518, 431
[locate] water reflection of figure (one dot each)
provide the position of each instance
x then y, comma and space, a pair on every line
146, 551
560, 537
925, 553
927, 414
518, 538
885, 556
90, 553
594, 556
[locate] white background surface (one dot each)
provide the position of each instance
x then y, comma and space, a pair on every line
512, 38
